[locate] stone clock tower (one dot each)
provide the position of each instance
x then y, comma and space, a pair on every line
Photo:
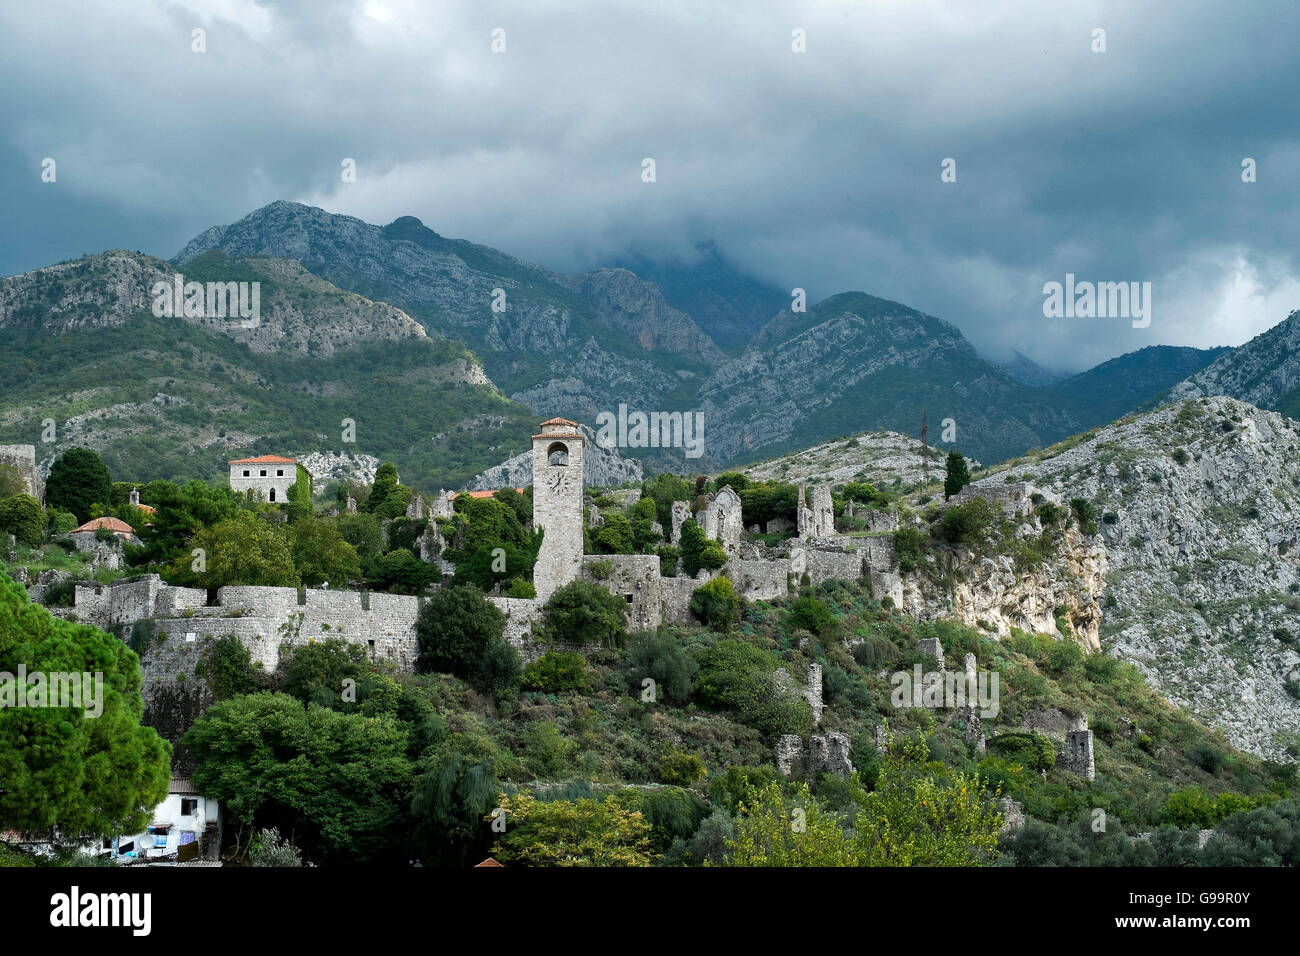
557, 504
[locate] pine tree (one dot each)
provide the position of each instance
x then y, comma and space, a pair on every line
958, 475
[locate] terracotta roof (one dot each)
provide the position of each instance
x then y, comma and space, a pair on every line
148, 509
570, 435
559, 421
264, 460
112, 524
482, 494
489, 862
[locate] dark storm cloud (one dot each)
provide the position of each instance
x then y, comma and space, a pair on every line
817, 169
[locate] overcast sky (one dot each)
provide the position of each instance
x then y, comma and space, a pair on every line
818, 169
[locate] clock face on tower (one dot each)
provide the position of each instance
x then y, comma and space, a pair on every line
559, 481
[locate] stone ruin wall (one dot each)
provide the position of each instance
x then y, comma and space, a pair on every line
23, 457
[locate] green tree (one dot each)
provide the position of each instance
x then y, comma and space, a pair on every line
320, 553
556, 671
61, 768
521, 505
485, 523
911, 819
738, 676
454, 629
863, 492
182, 513
698, 551
956, 474
337, 781
227, 667
809, 614
453, 793
362, 531
583, 612
716, 604
663, 490
21, 516
243, 550
384, 486
616, 536
771, 830
401, 573
659, 656
968, 523
78, 480
298, 496
315, 672
581, 832
493, 564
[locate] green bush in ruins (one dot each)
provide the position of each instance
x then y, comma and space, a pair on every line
583, 612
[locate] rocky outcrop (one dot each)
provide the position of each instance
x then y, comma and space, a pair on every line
1198, 509
338, 466
990, 592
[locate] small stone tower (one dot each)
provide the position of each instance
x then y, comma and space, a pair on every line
1078, 754
557, 504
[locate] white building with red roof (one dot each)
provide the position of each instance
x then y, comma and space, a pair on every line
270, 474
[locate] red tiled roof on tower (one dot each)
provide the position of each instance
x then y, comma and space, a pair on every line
559, 421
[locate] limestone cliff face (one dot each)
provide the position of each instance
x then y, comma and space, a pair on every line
638, 309
990, 592
1198, 507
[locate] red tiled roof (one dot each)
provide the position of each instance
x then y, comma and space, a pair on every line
482, 494
264, 460
559, 421
112, 524
489, 862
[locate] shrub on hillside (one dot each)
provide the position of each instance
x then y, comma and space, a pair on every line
556, 671
716, 604
583, 612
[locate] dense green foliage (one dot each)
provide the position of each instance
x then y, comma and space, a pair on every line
78, 481
956, 474
69, 768
455, 628
583, 612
